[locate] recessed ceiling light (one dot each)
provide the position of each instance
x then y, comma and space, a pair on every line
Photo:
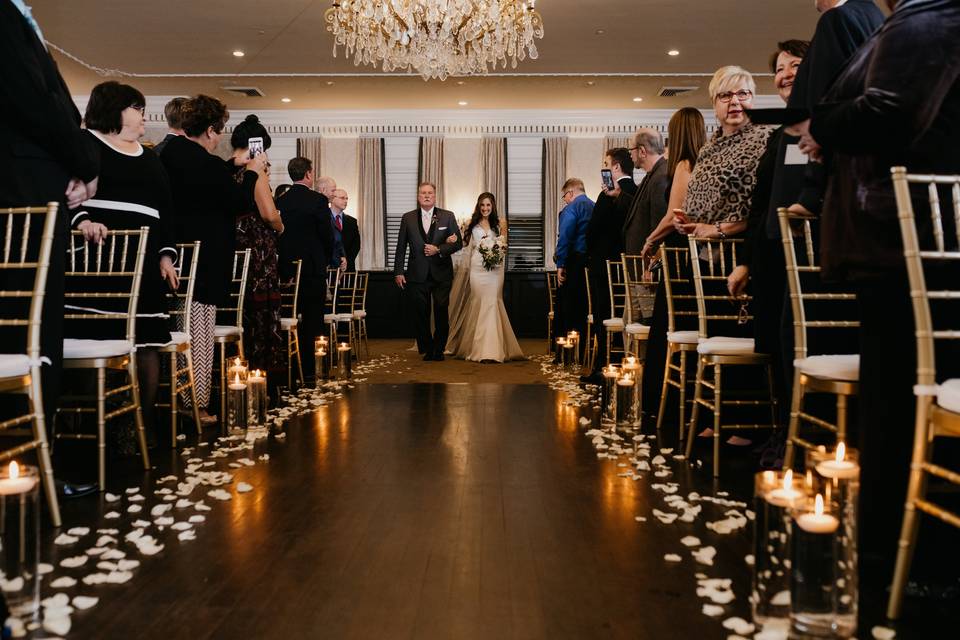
638, 99
463, 103
284, 99
673, 52
460, 83
590, 83
599, 32
238, 53
329, 83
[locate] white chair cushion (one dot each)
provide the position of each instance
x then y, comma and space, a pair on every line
344, 317
683, 337
637, 329
841, 367
13, 365
288, 323
179, 337
329, 317
223, 330
725, 346
75, 348
360, 314
613, 324
948, 395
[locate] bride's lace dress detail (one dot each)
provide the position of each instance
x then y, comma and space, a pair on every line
479, 326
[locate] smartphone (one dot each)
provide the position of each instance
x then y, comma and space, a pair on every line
255, 146
606, 175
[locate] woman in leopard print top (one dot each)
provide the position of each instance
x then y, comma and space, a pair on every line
722, 182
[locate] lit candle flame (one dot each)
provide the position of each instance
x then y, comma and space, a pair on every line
841, 451
14, 471
818, 505
236, 378
787, 479
237, 362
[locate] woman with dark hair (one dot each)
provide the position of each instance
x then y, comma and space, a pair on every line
208, 198
257, 230
479, 327
133, 192
686, 135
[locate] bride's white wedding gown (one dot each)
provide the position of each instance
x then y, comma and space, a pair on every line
479, 326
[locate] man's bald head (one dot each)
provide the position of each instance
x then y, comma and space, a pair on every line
326, 185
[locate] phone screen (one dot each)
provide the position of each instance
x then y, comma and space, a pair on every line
255, 146
607, 176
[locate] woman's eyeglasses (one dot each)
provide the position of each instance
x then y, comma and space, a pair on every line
741, 95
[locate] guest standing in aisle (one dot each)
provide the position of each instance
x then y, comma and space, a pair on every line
345, 230
208, 200
571, 259
173, 113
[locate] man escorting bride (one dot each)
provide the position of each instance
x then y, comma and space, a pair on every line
479, 327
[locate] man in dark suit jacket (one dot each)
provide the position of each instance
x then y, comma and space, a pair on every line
173, 112
605, 238
307, 237
429, 271
46, 157
346, 232
649, 205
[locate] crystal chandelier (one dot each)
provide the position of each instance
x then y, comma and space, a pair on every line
437, 38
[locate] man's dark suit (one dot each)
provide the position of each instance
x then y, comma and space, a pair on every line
308, 237
428, 277
605, 242
351, 241
41, 148
647, 209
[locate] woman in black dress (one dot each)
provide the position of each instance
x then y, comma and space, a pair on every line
208, 200
257, 230
133, 192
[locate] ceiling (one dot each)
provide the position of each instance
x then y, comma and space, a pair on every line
187, 42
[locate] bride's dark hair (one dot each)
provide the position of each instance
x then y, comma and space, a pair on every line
477, 216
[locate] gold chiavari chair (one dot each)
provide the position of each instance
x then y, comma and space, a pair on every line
615, 324
24, 271
180, 347
360, 313
716, 352
640, 295
833, 374
681, 303
552, 302
343, 304
231, 331
289, 321
932, 268
590, 350
106, 275
330, 306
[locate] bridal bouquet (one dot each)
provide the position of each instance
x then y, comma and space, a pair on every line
492, 251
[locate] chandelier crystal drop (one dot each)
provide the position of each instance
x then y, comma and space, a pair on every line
437, 38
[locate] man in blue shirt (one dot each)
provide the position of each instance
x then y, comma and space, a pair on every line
571, 259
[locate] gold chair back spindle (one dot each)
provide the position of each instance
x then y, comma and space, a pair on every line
616, 323
231, 316
681, 303
290, 322
552, 285
640, 295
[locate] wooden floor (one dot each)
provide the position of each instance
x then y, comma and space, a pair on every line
418, 511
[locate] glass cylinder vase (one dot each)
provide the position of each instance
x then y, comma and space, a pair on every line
632, 366
20, 538
344, 357
624, 404
236, 422
611, 373
573, 339
257, 399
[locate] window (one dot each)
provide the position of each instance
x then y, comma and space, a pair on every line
525, 203
401, 158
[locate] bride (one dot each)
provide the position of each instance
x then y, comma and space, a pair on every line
479, 327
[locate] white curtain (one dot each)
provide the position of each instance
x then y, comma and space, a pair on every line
616, 140
431, 162
310, 148
370, 211
554, 175
493, 171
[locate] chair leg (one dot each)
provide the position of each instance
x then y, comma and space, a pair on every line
290, 360
796, 404
188, 354
665, 389
365, 337
240, 347
608, 337
841, 417
102, 428
695, 409
138, 412
774, 414
223, 384
916, 489
40, 436
682, 411
174, 380
717, 403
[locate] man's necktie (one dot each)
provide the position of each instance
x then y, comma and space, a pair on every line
339, 223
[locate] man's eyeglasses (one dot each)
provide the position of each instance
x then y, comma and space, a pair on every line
564, 194
742, 96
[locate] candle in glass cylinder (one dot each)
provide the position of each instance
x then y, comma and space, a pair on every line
632, 366
237, 368
570, 355
257, 399
624, 409
558, 350
346, 361
562, 351
573, 338
839, 466
609, 393
236, 406
20, 538
321, 361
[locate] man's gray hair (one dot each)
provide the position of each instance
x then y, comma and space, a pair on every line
651, 140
